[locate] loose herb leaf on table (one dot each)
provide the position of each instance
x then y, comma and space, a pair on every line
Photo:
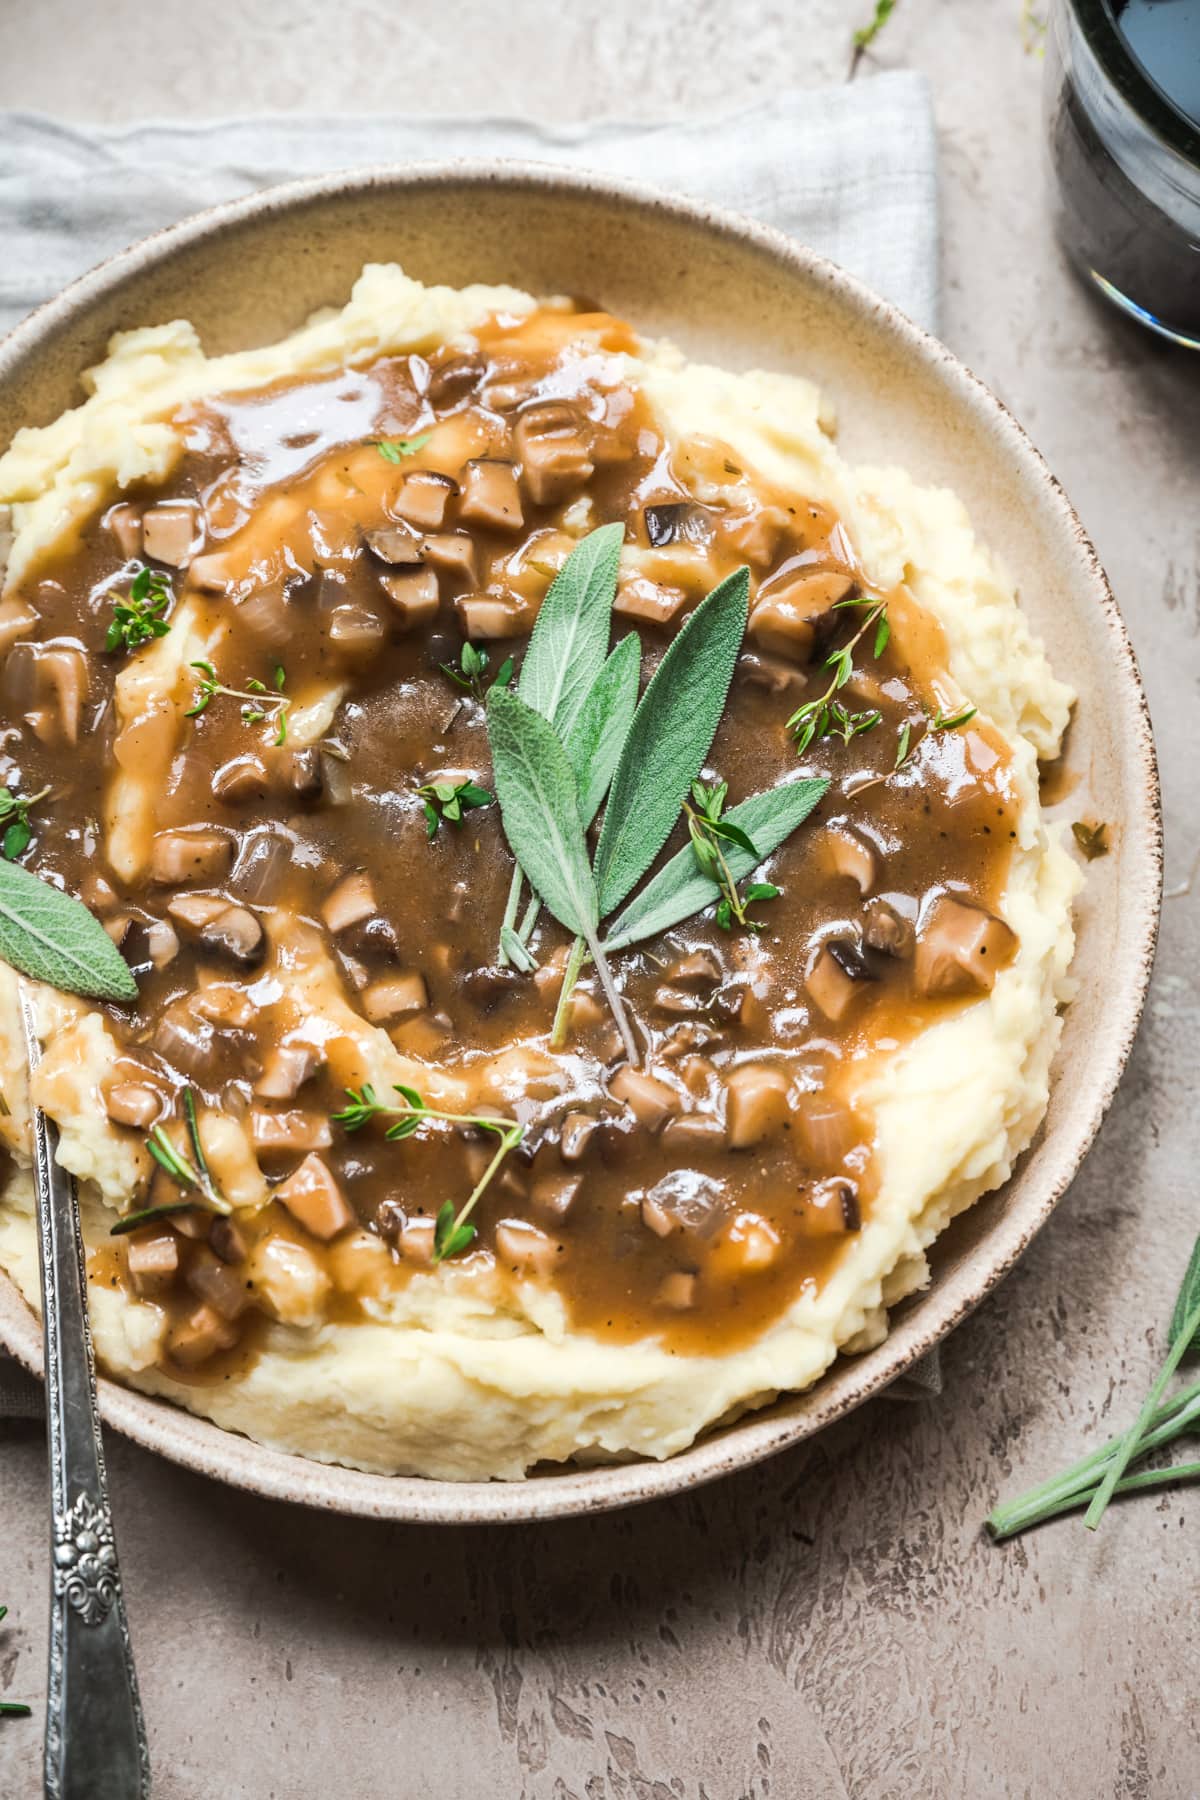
1093, 1481
51, 936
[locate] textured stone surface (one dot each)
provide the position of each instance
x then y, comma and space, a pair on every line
832, 1624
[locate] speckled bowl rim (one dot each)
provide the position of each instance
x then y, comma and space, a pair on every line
197, 1444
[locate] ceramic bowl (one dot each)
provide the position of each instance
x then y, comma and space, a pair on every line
735, 293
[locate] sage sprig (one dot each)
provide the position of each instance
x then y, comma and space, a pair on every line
52, 937
595, 739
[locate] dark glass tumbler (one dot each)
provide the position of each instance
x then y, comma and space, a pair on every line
1126, 170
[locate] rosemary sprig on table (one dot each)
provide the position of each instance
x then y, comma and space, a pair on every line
447, 801
394, 450
193, 1175
12, 1709
260, 702
141, 616
826, 716
451, 1233
16, 832
1093, 1481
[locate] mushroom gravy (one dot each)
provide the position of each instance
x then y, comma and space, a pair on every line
266, 866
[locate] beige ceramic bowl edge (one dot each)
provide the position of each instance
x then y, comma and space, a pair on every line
745, 296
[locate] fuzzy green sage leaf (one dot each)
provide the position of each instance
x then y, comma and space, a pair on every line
596, 738
569, 641
51, 936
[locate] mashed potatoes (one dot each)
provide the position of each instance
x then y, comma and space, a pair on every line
440, 1377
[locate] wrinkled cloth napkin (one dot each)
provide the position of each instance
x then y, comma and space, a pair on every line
850, 171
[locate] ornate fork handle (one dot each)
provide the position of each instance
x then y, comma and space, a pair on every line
95, 1738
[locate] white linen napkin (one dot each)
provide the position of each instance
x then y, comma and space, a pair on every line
850, 171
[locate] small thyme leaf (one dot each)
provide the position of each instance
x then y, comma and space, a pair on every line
1092, 839
866, 34
16, 833
902, 744
944, 722
394, 450
194, 1174
448, 801
256, 708
148, 1214
141, 616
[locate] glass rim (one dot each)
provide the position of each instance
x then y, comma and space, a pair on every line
1132, 81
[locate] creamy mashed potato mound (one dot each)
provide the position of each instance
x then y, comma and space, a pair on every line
448, 1375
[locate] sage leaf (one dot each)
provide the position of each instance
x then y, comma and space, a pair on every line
52, 937
539, 805
515, 951
682, 888
569, 640
671, 735
1186, 1303
597, 737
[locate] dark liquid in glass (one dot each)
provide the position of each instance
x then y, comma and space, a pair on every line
1125, 137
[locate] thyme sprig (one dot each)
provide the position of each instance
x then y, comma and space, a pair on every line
260, 702
708, 830
447, 801
16, 832
193, 1175
12, 1709
452, 1233
141, 616
826, 716
472, 667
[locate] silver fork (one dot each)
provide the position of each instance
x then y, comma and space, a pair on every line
95, 1738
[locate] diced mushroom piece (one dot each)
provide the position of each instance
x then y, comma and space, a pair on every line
211, 573
225, 1003
240, 781
302, 773
650, 1100
60, 686
352, 901
356, 634
214, 1282
772, 674
413, 597
285, 1070
394, 998
552, 443
171, 533
454, 374
228, 1240
282, 1134
415, 1240
219, 927
577, 1133
784, 618
684, 1200
394, 545
694, 1133
666, 522
751, 1243
453, 553
152, 1259
640, 598
677, 1290
193, 854
133, 1103
200, 1336
491, 495
486, 616
831, 1209
17, 621
699, 969
526, 1250
961, 948
423, 498
756, 1105
675, 1003
847, 852
555, 1195
313, 1197
838, 978
885, 929
288, 1281
755, 533
144, 943
97, 892
125, 523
